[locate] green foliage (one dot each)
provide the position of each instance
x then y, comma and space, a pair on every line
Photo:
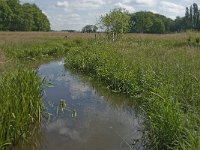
5, 15
90, 29
163, 80
197, 40
158, 26
190, 21
22, 17
20, 107
148, 22
116, 22
32, 51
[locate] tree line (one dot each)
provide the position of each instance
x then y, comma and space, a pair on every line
119, 20
148, 22
22, 17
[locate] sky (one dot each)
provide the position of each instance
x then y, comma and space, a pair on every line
75, 14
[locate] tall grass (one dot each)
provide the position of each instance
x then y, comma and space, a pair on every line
39, 45
20, 105
163, 75
34, 50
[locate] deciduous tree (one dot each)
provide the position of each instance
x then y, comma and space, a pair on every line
115, 23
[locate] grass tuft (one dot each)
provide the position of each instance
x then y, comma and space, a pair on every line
20, 105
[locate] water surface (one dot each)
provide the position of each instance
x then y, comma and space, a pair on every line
83, 115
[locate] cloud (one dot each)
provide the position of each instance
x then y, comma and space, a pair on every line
126, 1
146, 2
71, 21
171, 7
63, 4
154, 11
81, 4
97, 2
127, 7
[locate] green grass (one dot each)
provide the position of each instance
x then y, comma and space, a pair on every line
21, 105
33, 50
163, 75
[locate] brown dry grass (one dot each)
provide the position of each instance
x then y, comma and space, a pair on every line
3, 60
15, 37
6, 37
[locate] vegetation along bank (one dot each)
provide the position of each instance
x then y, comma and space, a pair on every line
160, 72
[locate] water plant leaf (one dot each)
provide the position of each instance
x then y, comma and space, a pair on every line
50, 85
74, 114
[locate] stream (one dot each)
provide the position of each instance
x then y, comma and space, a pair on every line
84, 115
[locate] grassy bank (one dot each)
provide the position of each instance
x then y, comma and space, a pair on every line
162, 72
31, 46
20, 105
20, 94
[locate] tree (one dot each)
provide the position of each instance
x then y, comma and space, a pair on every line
22, 17
5, 16
178, 24
147, 22
158, 26
168, 22
195, 15
187, 22
28, 21
41, 22
16, 21
142, 22
89, 28
115, 23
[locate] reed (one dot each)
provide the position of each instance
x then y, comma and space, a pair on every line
21, 105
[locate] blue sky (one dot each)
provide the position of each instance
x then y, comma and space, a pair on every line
74, 14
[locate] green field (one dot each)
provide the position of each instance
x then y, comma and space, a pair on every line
160, 72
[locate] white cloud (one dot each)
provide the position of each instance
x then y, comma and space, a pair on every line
81, 4
63, 4
98, 2
171, 7
126, 1
146, 2
127, 7
154, 11
85, 5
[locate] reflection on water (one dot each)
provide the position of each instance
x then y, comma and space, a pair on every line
84, 118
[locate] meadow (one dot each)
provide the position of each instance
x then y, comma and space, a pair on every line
161, 73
